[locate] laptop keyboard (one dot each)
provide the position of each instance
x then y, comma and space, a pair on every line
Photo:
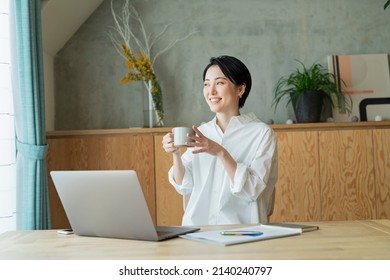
163, 232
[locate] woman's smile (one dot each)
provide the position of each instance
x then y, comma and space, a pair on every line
214, 100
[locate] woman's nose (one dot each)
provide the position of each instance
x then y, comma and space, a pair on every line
213, 90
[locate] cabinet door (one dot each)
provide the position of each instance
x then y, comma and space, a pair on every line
347, 175
297, 190
134, 152
169, 203
382, 172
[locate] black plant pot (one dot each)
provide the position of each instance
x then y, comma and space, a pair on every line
309, 107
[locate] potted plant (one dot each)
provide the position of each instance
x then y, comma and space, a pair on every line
310, 90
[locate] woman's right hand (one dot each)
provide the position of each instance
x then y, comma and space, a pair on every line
167, 144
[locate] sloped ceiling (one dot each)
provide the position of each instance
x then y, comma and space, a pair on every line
61, 19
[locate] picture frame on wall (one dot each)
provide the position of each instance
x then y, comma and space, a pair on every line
366, 78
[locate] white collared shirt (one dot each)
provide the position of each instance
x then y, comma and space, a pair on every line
215, 199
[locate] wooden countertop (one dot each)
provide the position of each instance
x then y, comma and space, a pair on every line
336, 240
276, 127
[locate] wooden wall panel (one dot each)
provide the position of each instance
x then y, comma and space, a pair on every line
347, 174
297, 190
133, 152
382, 172
168, 202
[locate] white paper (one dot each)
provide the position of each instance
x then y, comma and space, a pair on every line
215, 237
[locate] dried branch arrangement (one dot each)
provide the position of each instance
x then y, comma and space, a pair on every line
137, 47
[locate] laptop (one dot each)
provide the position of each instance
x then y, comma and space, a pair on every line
111, 204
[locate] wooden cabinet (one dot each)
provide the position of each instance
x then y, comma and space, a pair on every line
298, 188
326, 171
347, 175
381, 139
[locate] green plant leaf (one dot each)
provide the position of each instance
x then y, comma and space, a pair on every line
387, 4
315, 78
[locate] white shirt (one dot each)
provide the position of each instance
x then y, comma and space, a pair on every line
215, 199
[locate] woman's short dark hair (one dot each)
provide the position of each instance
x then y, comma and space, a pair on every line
235, 71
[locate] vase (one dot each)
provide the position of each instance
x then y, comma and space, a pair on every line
152, 117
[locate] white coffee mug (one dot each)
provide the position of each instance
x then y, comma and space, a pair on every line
180, 136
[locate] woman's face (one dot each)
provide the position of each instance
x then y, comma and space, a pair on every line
220, 93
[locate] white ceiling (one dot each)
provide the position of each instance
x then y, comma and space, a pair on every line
61, 19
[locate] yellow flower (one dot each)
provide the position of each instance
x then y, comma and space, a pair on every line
124, 81
139, 66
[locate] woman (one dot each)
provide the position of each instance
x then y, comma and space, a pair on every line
231, 168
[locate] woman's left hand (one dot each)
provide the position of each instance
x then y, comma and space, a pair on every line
203, 144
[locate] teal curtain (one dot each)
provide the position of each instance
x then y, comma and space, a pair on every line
33, 210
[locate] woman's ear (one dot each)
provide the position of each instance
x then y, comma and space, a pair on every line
241, 89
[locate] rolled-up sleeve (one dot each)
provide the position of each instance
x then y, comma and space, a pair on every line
251, 181
186, 186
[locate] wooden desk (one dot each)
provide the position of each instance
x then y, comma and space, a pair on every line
335, 240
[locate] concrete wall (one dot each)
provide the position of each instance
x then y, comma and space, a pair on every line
267, 35
60, 20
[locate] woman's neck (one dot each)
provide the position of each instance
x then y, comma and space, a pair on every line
223, 120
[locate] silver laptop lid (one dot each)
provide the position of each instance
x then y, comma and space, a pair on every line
105, 204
